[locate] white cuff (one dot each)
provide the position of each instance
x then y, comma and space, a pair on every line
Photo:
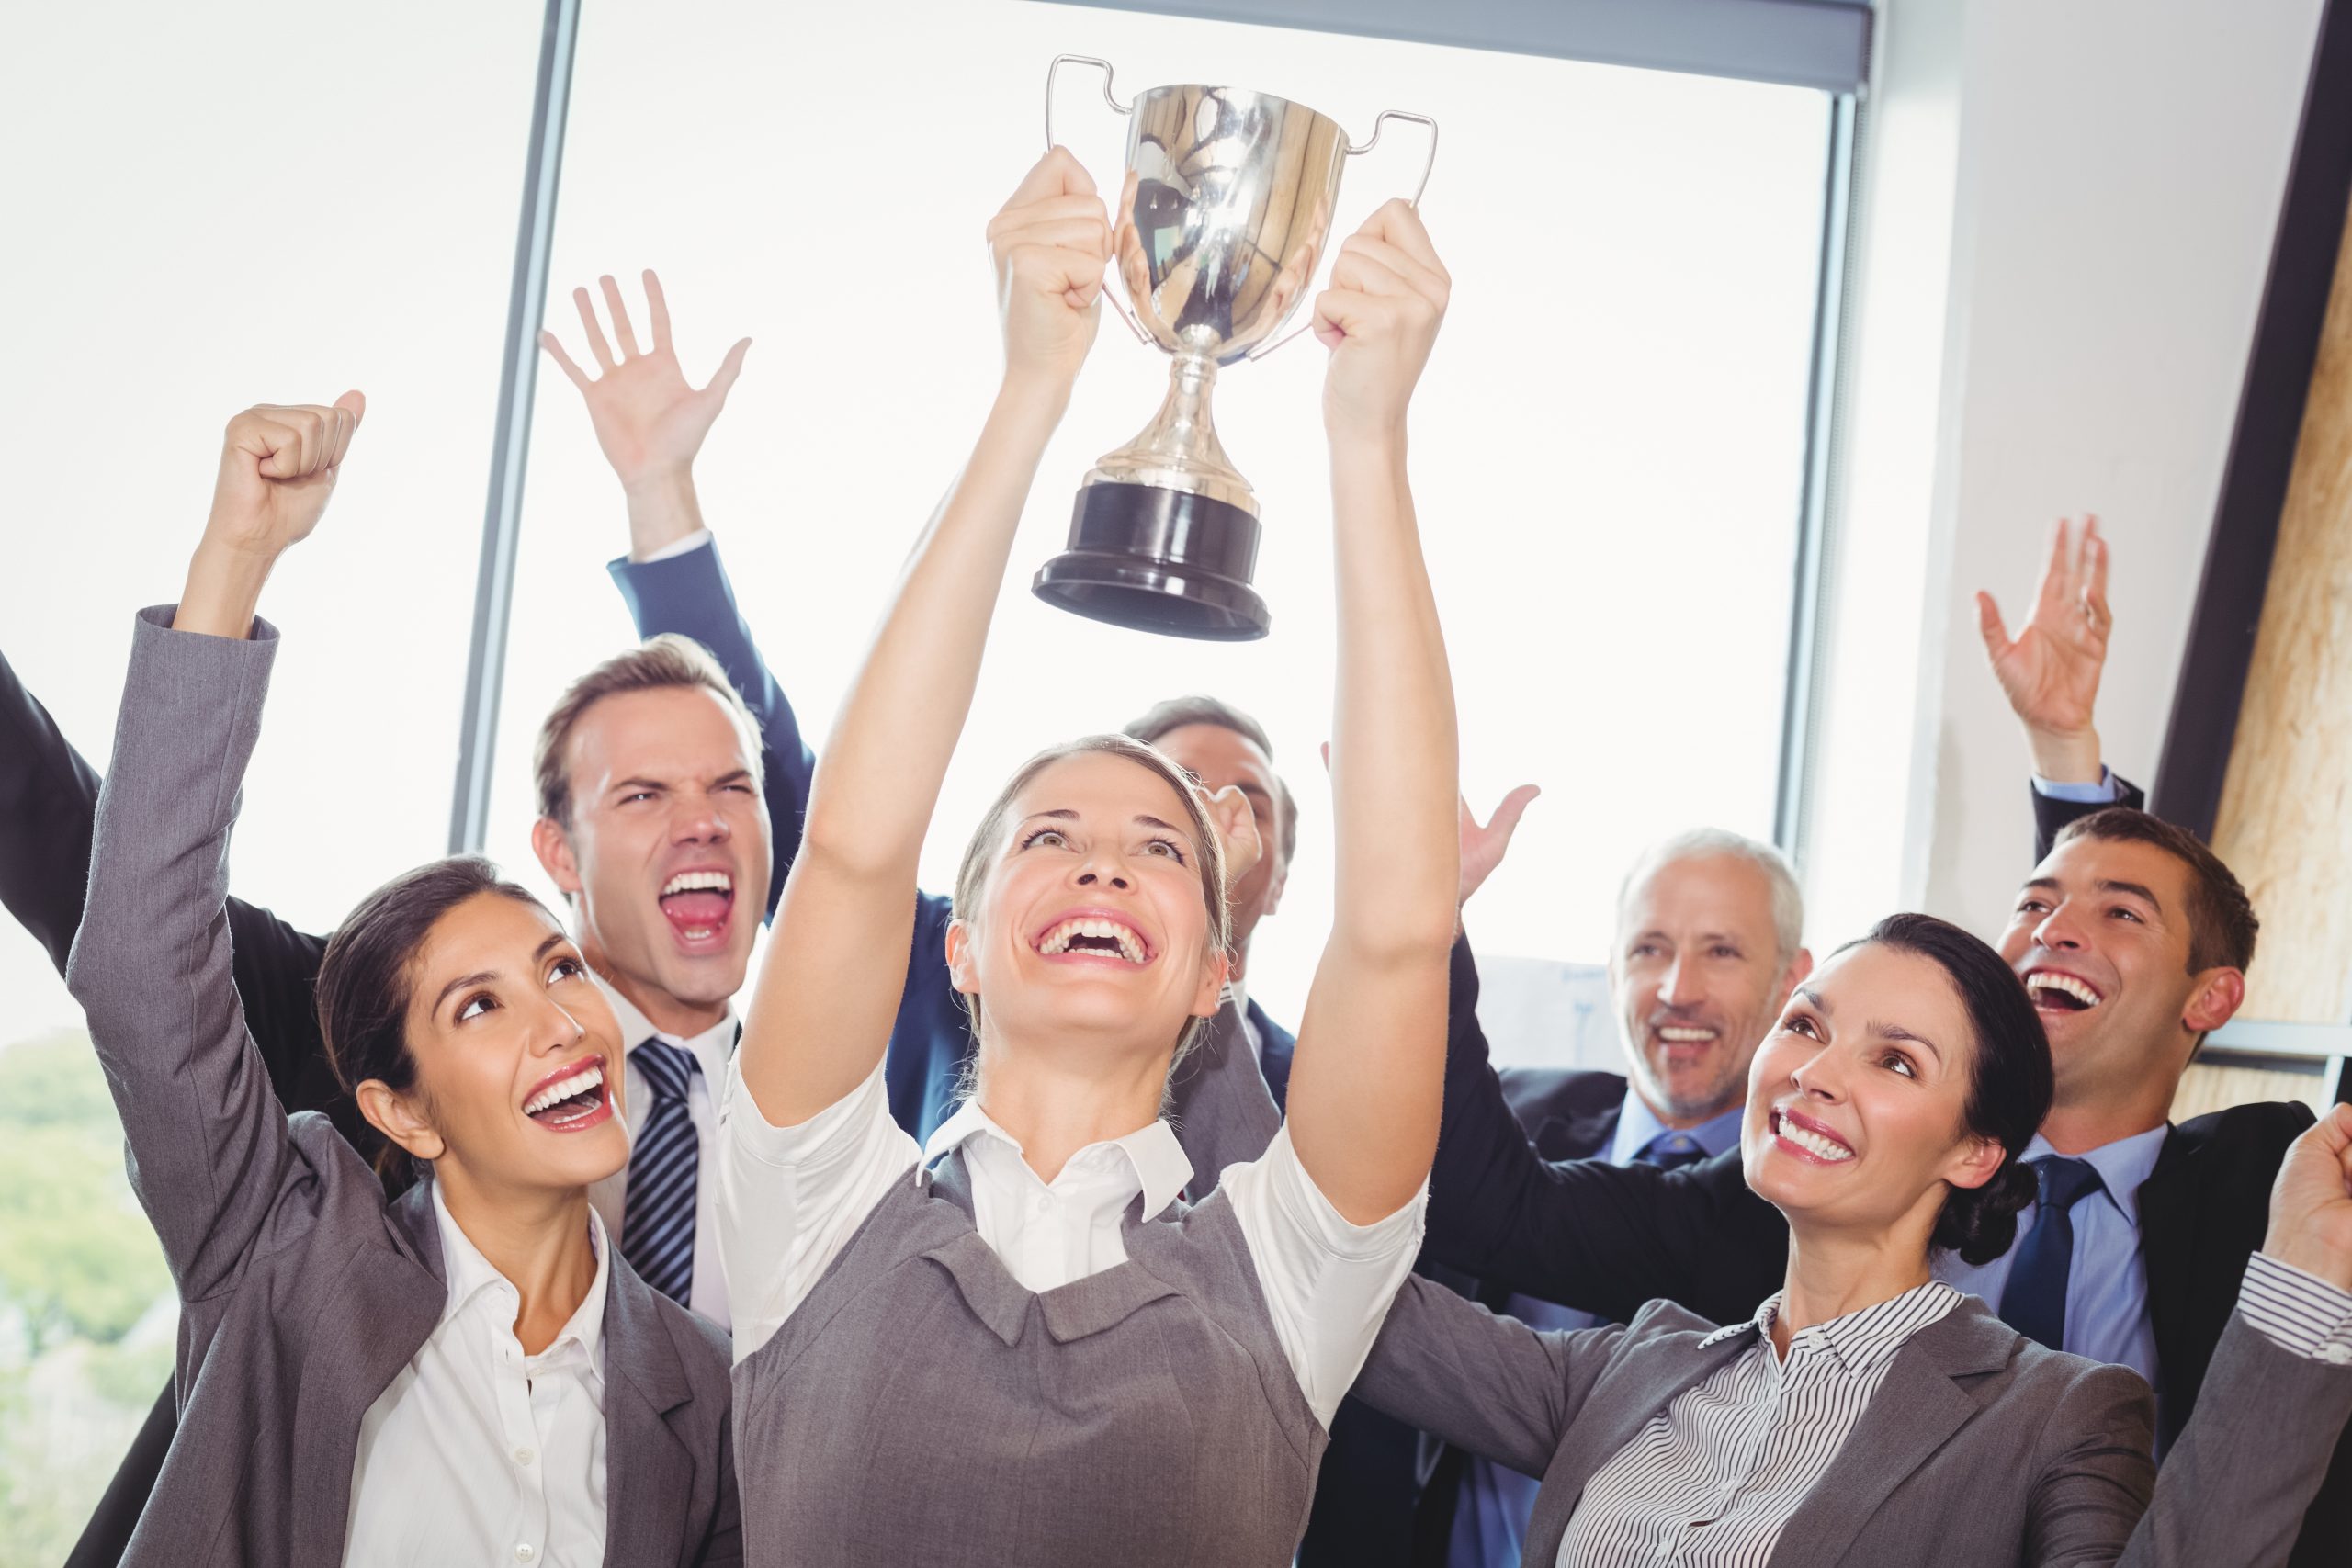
676, 547
2297, 1311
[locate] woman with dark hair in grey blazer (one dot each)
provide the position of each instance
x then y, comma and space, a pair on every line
1867, 1414
469, 1374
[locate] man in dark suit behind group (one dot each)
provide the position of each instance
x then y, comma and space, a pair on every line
2134, 940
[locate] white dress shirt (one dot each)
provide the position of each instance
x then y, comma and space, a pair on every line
477, 1452
712, 1049
790, 1198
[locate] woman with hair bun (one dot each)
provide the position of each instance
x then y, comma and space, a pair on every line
1869, 1414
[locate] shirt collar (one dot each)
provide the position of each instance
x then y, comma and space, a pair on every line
2122, 1166
471, 1275
1859, 1340
1638, 1127
712, 1047
1154, 1157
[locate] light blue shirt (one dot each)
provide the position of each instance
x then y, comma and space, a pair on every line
1490, 1518
2107, 792
2106, 1283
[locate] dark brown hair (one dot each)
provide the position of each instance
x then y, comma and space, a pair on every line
656, 664
368, 978
1175, 713
2221, 926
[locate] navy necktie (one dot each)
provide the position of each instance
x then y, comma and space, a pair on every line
658, 1216
1672, 1151
2034, 1301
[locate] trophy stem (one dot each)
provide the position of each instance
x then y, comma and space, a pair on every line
1179, 449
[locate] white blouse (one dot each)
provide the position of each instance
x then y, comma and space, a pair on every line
790, 1198
477, 1452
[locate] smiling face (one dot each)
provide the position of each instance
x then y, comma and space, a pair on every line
1698, 977
1221, 756
1090, 925
666, 853
2101, 938
1857, 1101
517, 1058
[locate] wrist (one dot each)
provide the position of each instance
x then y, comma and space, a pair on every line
1377, 442
2063, 756
2315, 1257
662, 509
223, 589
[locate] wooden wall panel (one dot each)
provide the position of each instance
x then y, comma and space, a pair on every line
2285, 824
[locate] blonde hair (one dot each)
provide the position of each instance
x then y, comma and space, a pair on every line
971, 877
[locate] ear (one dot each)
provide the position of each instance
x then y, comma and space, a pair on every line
2219, 995
553, 846
1977, 1161
963, 971
390, 1113
1799, 968
1211, 994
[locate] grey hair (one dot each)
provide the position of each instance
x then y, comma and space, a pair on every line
1696, 844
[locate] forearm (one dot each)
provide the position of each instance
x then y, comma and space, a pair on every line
2065, 756
1367, 1129
223, 590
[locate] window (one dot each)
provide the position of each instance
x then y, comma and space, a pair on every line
247, 201
1608, 448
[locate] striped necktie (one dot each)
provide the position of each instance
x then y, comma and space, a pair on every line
658, 1217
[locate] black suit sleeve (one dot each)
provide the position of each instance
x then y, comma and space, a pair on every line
2051, 816
1585, 1233
49, 802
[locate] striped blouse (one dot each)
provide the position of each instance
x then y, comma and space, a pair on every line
1717, 1474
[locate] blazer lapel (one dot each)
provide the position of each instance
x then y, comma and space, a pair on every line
1914, 1412
2169, 1253
1646, 1378
650, 1472
396, 1296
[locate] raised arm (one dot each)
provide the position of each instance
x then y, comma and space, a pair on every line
1586, 1233
821, 1015
1367, 1073
150, 965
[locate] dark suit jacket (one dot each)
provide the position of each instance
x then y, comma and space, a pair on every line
1589, 1235
303, 1289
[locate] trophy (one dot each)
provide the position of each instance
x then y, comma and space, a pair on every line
1220, 221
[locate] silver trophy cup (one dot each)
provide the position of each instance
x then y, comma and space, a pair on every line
1222, 216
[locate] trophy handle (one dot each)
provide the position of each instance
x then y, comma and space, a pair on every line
1116, 107
1374, 140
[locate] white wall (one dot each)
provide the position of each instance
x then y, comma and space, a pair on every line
2115, 171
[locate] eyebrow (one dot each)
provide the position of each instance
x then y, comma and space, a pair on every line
2105, 885
554, 941
1813, 999
1064, 814
1896, 1031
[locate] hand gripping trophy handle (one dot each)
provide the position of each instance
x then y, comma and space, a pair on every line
1121, 109
1374, 140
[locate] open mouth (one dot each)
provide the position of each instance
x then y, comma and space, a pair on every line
1096, 937
699, 906
2055, 990
571, 1098
1809, 1139
1684, 1034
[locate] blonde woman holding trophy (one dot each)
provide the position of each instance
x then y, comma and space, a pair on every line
1017, 1344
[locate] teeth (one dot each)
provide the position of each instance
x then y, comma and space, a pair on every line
1059, 938
698, 882
2066, 985
1674, 1034
1813, 1143
580, 1082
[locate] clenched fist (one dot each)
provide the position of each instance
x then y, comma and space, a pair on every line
1379, 319
278, 464
1050, 243
2311, 1203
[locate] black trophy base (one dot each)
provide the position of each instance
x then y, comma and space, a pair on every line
1158, 560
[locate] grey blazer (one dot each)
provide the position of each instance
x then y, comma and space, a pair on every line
1981, 1447
302, 1291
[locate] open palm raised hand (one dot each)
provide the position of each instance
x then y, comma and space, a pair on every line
650, 420
2050, 671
